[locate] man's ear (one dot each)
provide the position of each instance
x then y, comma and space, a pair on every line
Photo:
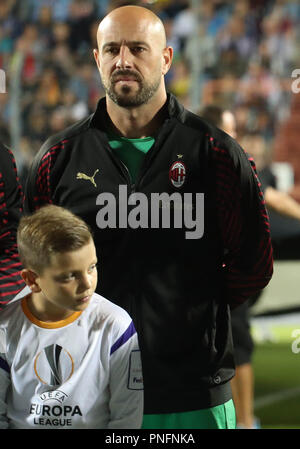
30, 278
167, 59
96, 56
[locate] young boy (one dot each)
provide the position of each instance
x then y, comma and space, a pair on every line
69, 358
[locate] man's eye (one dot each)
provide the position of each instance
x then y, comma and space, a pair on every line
137, 49
112, 50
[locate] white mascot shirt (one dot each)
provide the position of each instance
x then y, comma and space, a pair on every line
82, 372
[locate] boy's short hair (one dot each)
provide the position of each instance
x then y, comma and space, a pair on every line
49, 230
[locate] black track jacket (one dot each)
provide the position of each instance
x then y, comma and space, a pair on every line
178, 290
11, 198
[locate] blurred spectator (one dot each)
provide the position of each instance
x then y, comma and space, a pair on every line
44, 25
81, 18
60, 34
278, 45
48, 92
234, 37
180, 83
185, 25
214, 16
83, 82
202, 58
171, 8
36, 124
75, 109
259, 84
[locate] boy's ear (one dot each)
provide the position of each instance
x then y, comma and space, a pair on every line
30, 277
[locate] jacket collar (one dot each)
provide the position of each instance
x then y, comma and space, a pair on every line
100, 118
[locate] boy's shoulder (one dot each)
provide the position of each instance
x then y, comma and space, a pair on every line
10, 314
106, 311
11, 322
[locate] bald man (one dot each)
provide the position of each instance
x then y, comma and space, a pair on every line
132, 62
165, 196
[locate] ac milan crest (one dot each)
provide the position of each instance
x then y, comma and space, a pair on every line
177, 174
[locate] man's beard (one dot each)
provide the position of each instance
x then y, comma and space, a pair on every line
125, 98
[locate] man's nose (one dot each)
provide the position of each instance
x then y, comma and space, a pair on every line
125, 58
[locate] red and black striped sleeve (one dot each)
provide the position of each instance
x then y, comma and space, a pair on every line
38, 191
11, 197
243, 222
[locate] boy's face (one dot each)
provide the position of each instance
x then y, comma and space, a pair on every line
69, 281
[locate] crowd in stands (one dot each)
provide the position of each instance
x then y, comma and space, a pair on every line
238, 54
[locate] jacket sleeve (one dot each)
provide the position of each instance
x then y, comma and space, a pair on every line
11, 197
244, 223
4, 382
126, 382
38, 185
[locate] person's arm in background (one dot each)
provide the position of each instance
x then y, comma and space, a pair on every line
11, 198
282, 203
244, 224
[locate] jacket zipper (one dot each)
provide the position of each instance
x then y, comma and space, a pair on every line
118, 161
129, 181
